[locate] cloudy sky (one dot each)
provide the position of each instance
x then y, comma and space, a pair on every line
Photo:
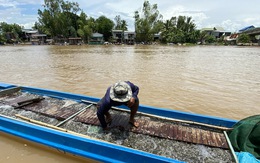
232, 15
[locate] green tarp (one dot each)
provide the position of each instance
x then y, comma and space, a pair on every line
245, 135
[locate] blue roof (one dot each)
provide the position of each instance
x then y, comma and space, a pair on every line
246, 28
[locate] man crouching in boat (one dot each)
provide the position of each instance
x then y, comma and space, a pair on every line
120, 93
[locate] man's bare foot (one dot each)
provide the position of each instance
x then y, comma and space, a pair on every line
135, 124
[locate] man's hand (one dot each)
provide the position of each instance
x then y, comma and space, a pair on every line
131, 102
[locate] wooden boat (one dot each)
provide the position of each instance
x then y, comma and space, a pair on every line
68, 122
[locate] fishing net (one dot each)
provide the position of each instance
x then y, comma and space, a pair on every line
245, 135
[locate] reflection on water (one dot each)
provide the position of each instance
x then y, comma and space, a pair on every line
219, 81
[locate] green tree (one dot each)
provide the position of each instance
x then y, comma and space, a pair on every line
168, 30
243, 38
2, 39
179, 30
10, 33
147, 23
105, 26
120, 24
124, 25
58, 18
84, 27
202, 36
92, 24
210, 39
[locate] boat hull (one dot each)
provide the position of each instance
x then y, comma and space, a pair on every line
91, 148
80, 146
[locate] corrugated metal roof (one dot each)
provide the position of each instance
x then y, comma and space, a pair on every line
213, 29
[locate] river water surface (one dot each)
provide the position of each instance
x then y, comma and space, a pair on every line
221, 81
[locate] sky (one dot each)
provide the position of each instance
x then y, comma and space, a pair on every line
232, 15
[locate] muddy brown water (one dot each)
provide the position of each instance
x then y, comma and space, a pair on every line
221, 81
22, 151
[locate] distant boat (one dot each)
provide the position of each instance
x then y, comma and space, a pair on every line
68, 122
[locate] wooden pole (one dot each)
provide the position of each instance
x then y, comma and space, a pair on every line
72, 116
55, 127
28, 102
231, 147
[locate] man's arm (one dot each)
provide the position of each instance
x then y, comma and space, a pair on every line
135, 89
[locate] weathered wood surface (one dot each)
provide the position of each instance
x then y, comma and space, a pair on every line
9, 91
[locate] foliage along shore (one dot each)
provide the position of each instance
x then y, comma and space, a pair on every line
64, 19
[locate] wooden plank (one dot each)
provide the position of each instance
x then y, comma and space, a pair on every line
165, 131
193, 135
141, 128
168, 128
199, 137
218, 140
116, 120
9, 91
188, 135
52, 111
161, 131
84, 116
208, 138
72, 116
213, 138
175, 132
149, 128
204, 136
96, 122
146, 127
184, 133
157, 129
179, 133
171, 134
224, 141
123, 121
90, 119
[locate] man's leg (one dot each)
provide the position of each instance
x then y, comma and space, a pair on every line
134, 109
102, 113
108, 117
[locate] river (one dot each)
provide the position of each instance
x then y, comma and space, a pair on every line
221, 81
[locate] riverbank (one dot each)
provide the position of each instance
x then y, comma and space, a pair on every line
168, 44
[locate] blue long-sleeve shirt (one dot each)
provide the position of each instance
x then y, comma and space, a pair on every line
106, 103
